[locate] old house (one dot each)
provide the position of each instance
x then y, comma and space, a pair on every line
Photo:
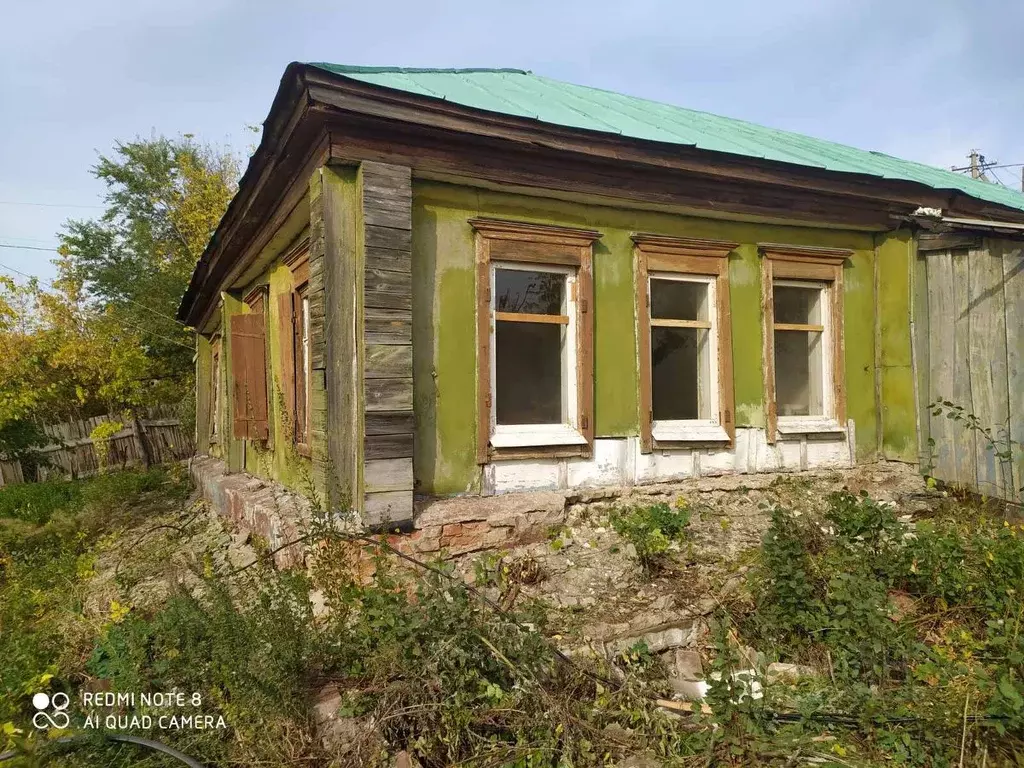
438, 283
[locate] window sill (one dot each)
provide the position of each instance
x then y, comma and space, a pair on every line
535, 436
803, 425
683, 432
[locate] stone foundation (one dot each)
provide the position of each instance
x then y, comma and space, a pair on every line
262, 508
459, 526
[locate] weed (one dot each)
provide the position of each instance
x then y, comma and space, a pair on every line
651, 530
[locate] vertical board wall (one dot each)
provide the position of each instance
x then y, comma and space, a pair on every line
969, 344
388, 424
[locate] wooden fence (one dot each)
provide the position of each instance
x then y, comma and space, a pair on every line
969, 345
157, 437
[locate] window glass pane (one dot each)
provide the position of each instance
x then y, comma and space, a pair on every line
528, 375
799, 374
537, 293
679, 300
797, 305
680, 373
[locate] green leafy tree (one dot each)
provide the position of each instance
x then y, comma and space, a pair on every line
164, 200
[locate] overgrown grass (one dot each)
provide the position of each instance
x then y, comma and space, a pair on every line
917, 627
910, 626
46, 559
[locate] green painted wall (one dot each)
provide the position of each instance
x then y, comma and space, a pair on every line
276, 460
896, 375
444, 320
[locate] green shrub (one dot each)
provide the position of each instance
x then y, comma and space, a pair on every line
651, 529
38, 502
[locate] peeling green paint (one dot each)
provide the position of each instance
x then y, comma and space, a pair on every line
278, 460
444, 316
899, 417
745, 307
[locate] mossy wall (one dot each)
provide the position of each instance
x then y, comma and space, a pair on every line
444, 306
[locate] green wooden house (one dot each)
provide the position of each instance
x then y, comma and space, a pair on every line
472, 282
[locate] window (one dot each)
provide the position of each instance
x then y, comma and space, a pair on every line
684, 347
293, 308
803, 339
534, 328
215, 390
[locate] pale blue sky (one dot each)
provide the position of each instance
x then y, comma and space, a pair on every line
922, 80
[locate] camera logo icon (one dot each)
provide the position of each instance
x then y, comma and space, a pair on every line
45, 718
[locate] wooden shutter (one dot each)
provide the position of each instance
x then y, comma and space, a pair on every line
249, 377
286, 330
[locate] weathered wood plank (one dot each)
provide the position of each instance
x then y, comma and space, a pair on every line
1013, 302
380, 509
988, 366
388, 446
964, 441
941, 354
387, 326
389, 259
390, 423
387, 290
922, 357
388, 394
388, 361
388, 237
377, 217
388, 475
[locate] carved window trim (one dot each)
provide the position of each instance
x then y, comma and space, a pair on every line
813, 266
567, 248
698, 258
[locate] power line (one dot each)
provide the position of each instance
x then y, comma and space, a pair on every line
28, 247
143, 306
48, 205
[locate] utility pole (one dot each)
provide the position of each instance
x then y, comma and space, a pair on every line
975, 169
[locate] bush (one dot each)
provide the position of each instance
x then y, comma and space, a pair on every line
651, 529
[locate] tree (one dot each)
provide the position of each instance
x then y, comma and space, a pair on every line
164, 200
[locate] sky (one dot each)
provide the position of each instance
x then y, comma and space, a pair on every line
928, 81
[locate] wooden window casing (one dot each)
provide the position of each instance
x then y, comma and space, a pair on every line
810, 266
559, 249
293, 310
698, 258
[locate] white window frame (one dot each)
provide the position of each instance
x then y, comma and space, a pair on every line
535, 435
825, 421
694, 430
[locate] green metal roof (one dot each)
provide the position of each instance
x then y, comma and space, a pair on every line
524, 94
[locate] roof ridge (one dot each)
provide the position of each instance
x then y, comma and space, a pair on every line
371, 70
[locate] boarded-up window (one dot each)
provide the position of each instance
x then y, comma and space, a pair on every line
249, 377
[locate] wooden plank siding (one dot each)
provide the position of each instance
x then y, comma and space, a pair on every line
1012, 255
972, 315
386, 199
337, 354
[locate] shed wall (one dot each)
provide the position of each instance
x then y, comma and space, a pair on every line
969, 343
